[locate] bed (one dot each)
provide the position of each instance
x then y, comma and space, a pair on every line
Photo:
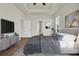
69, 42
57, 44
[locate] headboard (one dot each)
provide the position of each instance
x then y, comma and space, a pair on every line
74, 31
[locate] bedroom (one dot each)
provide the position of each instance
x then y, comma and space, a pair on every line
42, 21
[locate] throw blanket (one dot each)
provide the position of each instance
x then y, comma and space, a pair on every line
42, 44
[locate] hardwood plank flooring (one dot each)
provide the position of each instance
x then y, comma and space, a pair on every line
12, 49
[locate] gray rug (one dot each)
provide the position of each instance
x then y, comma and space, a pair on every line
19, 52
42, 45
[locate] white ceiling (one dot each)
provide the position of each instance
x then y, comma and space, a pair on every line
50, 8
38, 6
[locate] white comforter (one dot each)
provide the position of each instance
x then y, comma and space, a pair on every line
67, 40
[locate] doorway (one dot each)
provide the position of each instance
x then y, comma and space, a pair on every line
40, 28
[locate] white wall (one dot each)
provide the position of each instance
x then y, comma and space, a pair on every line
65, 10
35, 18
10, 12
26, 28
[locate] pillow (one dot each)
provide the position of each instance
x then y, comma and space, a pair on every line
16, 34
57, 36
68, 37
6, 37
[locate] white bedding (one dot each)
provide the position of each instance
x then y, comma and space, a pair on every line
67, 40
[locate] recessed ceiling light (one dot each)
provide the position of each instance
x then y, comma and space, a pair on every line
44, 3
41, 3
34, 3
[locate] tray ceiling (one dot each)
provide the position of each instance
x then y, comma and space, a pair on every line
39, 7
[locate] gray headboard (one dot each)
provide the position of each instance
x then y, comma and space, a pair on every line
74, 31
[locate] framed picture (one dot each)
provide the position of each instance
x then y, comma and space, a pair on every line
72, 20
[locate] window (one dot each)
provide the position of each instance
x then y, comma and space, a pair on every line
57, 22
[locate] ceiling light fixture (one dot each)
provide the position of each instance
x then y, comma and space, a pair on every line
42, 4
34, 3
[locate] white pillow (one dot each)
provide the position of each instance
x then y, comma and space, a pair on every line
68, 37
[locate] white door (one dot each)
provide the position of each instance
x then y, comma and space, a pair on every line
26, 28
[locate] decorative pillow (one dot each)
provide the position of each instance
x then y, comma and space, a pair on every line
6, 37
16, 34
57, 36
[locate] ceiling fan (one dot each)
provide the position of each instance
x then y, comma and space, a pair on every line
41, 3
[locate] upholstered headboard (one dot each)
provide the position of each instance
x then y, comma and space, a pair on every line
74, 31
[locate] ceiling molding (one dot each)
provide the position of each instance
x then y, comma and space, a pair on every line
49, 8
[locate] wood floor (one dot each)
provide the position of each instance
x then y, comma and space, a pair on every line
12, 50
